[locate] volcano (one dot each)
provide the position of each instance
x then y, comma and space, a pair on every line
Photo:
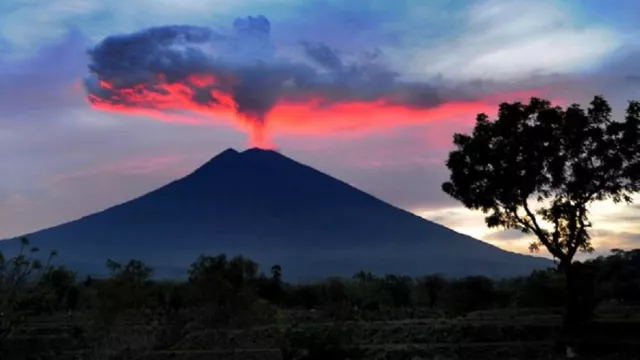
274, 210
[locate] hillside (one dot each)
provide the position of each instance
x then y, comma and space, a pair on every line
272, 209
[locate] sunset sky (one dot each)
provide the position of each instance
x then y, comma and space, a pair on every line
387, 83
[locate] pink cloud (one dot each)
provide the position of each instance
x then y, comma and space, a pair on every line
138, 166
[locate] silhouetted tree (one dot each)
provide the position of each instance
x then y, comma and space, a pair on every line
561, 159
272, 289
398, 289
543, 288
307, 296
620, 275
207, 277
433, 285
366, 291
60, 280
21, 288
226, 287
129, 285
276, 273
470, 294
88, 282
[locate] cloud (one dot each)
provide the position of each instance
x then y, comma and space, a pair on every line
44, 83
48, 132
513, 40
506, 235
611, 228
301, 67
605, 240
236, 74
30, 23
144, 166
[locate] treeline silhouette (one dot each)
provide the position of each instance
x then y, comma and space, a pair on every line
236, 283
232, 292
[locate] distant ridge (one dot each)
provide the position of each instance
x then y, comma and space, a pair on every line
264, 205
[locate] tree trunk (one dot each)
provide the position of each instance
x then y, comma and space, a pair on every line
580, 300
572, 315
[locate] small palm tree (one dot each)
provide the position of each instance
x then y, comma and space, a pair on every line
276, 273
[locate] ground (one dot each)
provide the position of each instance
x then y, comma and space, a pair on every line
394, 335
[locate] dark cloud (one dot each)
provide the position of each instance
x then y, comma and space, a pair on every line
348, 25
615, 79
323, 55
127, 70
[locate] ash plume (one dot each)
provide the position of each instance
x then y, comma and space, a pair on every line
201, 68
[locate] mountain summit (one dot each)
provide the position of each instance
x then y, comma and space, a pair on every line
266, 206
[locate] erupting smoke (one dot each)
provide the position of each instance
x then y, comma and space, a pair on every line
236, 75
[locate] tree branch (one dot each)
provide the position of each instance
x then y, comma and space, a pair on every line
535, 227
577, 238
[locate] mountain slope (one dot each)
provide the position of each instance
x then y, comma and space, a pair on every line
264, 205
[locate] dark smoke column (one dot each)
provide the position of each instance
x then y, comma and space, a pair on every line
234, 74
191, 69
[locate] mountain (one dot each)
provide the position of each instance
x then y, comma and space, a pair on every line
268, 207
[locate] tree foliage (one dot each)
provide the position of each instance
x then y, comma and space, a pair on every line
225, 287
133, 281
432, 286
222, 293
22, 293
561, 159
537, 168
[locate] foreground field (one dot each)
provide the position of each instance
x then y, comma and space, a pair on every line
307, 335
227, 309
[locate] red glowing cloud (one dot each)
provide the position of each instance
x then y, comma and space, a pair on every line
177, 102
200, 75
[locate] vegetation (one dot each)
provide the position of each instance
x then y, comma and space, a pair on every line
561, 160
131, 315
23, 288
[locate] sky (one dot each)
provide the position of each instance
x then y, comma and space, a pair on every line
370, 92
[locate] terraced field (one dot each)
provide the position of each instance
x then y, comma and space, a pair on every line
482, 335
